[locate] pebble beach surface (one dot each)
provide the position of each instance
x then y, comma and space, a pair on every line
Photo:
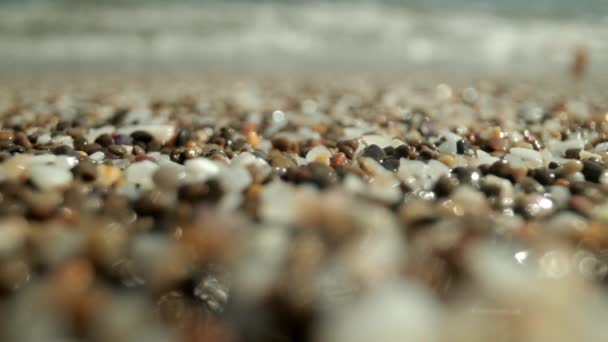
307, 210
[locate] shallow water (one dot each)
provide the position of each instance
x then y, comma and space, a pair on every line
495, 37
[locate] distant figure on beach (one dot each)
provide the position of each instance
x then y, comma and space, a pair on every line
580, 61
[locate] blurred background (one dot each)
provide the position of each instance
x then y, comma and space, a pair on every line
496, 37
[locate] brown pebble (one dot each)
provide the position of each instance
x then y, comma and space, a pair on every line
573, 153
138, 150
86, 171
22, 139
571, 167
117, 150
580, 204
7, 135
498, 145
519, 173
281, 143
105, 140
6, 143
339, 159
282, 160
348, 147
92, 148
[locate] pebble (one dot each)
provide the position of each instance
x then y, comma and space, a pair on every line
47, 177
375, 152
593, 171
98, 156
85, 171
531, 159
338, 160
169, 175
161, 133
200, 169
140, 173
319, 154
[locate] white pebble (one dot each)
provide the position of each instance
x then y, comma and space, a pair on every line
531, 158
43, 139
63, 140
141, 173
392, 314
98, 156
484, 158
200, 169
449, 145
235, 179
47, 177
601, 147
277, 203
319, 154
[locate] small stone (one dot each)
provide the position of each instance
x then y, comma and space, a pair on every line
402, 151
501, 168
160, 133
200, 169
281, 143
169, 175
465, 176
122, 139
117, 150
183, 137
535, 206
138, 150
571, 167
319, 154
108, 175
338, 160
7, 135
210, 191
592, 171
85, 171
531, 158
529, 185
47, 177
43, 139
62, 150
253, 139
375, 152
445, 185
6, 143
348, 147
573, 153
462, 147
92, 148
22, 140
543, 176
390, 163
141, 173
15, 168
104, 140
447, 160
98, 156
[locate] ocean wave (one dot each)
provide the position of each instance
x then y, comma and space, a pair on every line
318, 33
